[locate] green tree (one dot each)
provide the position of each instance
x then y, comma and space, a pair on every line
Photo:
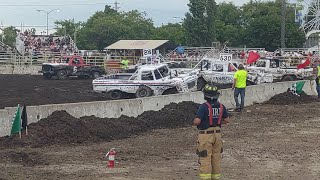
9, 36
229, 24
262, 21
109, 26
175, 33
67, 27
199, 22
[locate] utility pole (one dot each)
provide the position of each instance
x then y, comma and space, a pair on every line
47, 13
116, 7
283, 23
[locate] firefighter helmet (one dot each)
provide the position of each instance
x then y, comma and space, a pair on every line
211, 92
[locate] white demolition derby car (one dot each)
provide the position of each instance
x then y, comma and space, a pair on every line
148, 80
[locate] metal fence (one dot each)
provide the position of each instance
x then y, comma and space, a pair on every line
38, 58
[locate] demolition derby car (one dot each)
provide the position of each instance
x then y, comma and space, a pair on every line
71, 66
148, 80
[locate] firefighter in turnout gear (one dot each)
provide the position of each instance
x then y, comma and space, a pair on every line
210, 116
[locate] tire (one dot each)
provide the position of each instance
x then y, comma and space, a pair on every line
170, 91
114, 95
200, 84
143, 91
288, 78
62, 74
95, 75
47, 76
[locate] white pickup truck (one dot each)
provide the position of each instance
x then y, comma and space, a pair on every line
280, 70
148, 80
222, 72
215, 72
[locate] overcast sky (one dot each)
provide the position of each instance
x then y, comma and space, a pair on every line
15, 12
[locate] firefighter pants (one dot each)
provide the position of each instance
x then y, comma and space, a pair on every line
209, 151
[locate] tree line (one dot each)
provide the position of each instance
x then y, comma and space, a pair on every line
254, 24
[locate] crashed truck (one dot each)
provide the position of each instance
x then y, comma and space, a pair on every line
280, 70
148, 80
216, 71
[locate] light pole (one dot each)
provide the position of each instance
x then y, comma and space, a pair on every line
48, 12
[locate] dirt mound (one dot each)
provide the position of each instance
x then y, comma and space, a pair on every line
288, 98
62, 128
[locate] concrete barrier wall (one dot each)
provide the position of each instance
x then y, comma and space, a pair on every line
20, 69
135, 107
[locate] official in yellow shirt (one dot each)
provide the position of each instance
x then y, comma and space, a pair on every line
124, 64
239, 86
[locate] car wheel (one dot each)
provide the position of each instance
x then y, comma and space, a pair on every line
143, 91
62, 74
170, 91
114, 95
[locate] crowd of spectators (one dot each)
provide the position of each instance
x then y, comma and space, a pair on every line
36, 45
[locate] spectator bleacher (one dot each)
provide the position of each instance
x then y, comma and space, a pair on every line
37, 45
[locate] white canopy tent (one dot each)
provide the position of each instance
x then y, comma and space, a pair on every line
136, 44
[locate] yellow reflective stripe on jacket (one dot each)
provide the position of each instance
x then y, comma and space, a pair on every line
318, 70
216, 176
210, 176
205, 176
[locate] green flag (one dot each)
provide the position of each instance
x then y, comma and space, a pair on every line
296, 88
16, 122
299, 87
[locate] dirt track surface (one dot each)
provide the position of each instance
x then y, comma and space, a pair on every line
34, 90
263, 142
